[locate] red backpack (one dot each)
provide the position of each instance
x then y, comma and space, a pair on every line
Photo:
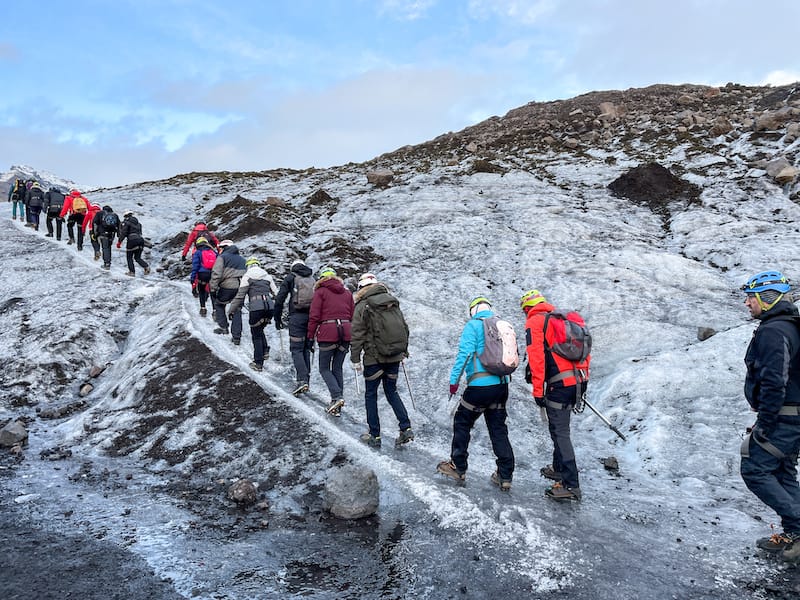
571, 337
207, 258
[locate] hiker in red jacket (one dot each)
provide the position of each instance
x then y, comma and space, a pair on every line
87, 222
200, 230
329, 322
76, 206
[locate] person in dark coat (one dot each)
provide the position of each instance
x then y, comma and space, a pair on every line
105, 226
378, 369
225, 278
53, 203
772, 388
34, 199
16, 195
294, 296
132, 231
259, 288
329, 322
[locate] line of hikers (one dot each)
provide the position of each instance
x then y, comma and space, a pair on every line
371, 327
31, 201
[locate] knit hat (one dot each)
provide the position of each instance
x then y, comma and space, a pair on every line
769, 297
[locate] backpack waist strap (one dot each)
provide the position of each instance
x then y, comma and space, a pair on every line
480, 409
790, 410
578, 374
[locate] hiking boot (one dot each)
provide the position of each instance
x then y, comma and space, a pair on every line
221, 331
130, 274
503, 484
48, 235
107, 267
203, 311
371, 440
792, 553
96, 254
256, 367
778, 542
405, 436
80, 248
448, 469
559, 492
236, 341
266, 355
301, 388
70, 241
550, 473
147, 270
335, 407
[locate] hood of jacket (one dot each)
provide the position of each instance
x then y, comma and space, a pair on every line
302, 270
232, 249
783, 308
370, 290
334, 284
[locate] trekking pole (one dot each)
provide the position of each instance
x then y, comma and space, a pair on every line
410, 395
605, 420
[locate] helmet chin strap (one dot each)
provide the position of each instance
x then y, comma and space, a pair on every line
765, 307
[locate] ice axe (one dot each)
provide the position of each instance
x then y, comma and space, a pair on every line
355, 372
604, 420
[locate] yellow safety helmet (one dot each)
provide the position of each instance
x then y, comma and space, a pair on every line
531, 298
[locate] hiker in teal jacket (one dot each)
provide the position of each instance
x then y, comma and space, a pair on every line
486, 395
469, 347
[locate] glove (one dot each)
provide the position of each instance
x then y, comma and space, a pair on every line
183, 258
119, 244
278, 324
527, 373
453, 389
539, 400
310, 344
358, 367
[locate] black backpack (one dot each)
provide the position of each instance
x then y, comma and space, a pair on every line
110, 222
19, 190
55, 200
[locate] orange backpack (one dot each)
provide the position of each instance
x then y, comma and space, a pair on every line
79, 205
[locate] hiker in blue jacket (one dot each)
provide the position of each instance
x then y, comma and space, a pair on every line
486, 395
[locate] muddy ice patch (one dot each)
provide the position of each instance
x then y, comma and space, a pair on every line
657, 188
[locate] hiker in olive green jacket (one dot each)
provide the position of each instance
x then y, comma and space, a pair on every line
380, 333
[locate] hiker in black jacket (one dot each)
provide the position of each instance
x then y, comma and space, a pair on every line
772, 388
53, 203
296, 292
105, 226
132, 231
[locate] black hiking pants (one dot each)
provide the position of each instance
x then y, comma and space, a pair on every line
258, 320
53, 216
558, 424
331, 359
489, 401
299, 346
73, 220
135, 254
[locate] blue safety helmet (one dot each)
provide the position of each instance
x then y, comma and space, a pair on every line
767, 280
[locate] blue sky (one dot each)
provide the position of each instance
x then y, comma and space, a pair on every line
118, 91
